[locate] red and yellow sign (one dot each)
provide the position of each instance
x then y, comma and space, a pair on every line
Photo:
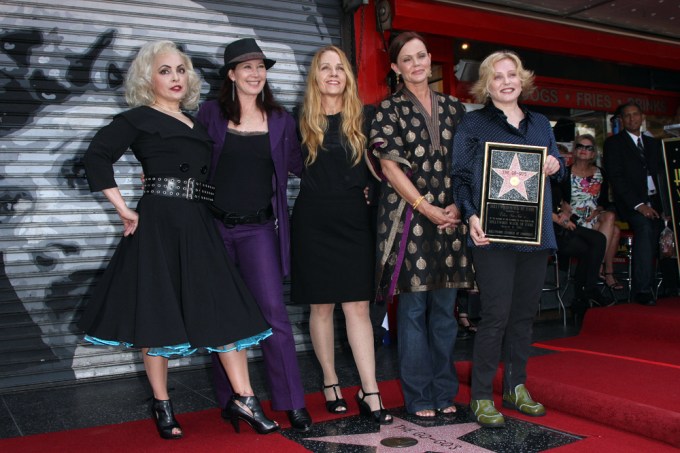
595, 96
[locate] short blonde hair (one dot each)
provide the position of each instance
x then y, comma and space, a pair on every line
480, 90
138, 85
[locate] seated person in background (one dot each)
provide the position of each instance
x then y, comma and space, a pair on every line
587, 245
585, 193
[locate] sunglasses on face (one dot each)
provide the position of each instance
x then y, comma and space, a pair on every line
586, 147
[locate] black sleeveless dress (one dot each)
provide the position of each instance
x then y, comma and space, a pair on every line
170, 286
332, 243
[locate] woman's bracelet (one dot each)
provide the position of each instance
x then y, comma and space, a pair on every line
417, 202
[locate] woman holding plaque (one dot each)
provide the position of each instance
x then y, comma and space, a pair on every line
509, 275
421, 243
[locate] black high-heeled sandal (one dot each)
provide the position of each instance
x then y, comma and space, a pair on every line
380, 416
338, 405
248, 409
616, 286
465, 323
163, 415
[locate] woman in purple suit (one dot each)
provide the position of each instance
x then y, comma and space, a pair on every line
255, 147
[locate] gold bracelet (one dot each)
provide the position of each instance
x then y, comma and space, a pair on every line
417, 202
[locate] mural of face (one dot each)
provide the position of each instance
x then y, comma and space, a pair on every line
57, 92
43, 179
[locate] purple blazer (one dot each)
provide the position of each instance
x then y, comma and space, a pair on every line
286, 155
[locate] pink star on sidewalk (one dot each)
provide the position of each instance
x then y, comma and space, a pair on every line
437, 439
514, 178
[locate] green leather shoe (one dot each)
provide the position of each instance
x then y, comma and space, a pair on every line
521, 400
485, 414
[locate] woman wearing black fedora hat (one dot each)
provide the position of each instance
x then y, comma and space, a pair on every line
255, 148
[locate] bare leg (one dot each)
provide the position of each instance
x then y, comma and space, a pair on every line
235, 363
606, 226
360, 336
610, 253
323, 340
157, 373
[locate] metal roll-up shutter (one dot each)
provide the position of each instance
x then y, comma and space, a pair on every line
62, 66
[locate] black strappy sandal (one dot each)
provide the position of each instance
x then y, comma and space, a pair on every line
338, 405
380, 416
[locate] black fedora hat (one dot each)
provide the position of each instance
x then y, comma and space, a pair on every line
243, 50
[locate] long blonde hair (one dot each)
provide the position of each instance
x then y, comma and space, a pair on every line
313, 121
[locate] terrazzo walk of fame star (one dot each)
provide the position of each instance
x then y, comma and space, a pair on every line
513, 177
445, 433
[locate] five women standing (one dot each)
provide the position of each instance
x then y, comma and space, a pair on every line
421, 240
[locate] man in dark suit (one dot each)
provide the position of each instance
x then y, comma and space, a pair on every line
635, 169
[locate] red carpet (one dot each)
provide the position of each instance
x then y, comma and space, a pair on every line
617, 384
598, 438
205, 432
623, 370
630, 330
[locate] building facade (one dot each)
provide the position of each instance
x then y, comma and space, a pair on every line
63, 66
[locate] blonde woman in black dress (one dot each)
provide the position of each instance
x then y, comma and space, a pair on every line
170, 287
332, 242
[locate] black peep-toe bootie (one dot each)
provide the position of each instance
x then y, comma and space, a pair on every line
380, 416
248, 409
162, 413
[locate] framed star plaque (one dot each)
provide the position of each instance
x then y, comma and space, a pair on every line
512, 193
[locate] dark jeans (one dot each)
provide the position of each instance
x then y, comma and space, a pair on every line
510, 285
427, 330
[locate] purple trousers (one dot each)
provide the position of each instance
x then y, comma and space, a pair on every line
254, 249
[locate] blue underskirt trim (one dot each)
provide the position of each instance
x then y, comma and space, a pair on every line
244, 343
184, 349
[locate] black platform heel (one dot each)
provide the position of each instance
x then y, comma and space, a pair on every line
380, 416
162, 413
248, 409
338, 405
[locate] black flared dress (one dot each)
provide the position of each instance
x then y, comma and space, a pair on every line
332, 243
170, 286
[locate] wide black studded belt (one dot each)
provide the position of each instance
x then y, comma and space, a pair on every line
231, 219
189, 189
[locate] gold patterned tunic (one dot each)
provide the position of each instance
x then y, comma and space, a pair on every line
412, 253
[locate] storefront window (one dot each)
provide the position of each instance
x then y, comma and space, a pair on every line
436, 80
